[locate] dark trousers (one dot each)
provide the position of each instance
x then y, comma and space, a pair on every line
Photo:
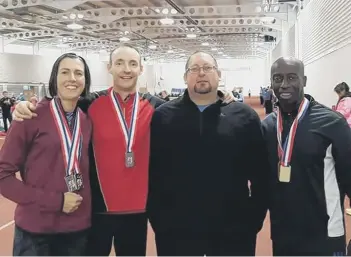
332, 246
127, 232
63, 244
190, 244
5, 118
261, 100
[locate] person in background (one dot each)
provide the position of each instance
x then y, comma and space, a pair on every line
6, 103
343, 106
119, 171
268, 98
200, 204
237, 96
53, 212
344, 103
261, 96
309, 152
241, 99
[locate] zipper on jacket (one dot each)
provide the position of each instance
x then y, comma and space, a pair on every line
201, 124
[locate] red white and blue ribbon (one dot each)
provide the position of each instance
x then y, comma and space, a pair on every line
129, 132
71, 143
285, 151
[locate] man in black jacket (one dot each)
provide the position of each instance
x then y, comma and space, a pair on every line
6, 103
309, 151
199, 199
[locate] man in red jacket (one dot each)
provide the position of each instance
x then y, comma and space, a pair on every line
120, 158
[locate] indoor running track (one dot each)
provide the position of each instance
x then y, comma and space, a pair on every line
7, 211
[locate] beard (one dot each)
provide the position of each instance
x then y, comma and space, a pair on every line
202, 88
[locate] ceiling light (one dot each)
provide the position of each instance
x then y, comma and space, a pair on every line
165, 11
61, 45
72, 16
220, 52
214, 49
74, 26
170, 51
124, 39
173, 11
167, 21
191, 35
80, 16
205, 44
152, 46
64, 16
157, 10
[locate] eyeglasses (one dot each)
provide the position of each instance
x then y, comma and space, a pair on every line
206, 69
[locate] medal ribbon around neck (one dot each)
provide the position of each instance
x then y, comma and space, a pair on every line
285, 151
129, 133
71, 143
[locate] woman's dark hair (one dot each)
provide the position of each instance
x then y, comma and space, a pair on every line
54, 73
342, 87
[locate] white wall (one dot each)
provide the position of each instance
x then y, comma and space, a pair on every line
36, 68
324, 45
246, 73
25, 68
325, 73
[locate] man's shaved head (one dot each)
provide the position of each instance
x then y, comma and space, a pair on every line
289, 61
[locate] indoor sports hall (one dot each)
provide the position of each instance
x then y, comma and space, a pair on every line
245, 39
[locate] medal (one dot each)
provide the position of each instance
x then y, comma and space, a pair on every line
284, 173
71, 183
71, 145
79, 180
128, 132
285, 151
129, 160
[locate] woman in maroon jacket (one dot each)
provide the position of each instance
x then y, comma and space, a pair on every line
51, 154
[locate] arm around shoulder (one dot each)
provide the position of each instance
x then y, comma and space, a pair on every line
13, 155
85, 102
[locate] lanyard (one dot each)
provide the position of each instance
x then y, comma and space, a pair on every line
71, 143
128, 132
285, 151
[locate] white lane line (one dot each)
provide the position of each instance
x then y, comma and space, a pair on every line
7, 225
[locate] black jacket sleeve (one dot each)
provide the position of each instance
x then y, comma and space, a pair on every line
341, 152
85, 102
258, 168
158, 162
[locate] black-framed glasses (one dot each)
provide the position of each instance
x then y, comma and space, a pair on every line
206, 69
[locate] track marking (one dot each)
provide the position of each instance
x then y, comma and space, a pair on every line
7, 225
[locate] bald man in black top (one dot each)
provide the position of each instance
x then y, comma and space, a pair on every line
309, 152
6, 103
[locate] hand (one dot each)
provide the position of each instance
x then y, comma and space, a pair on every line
227, 97
71, 202
24, 110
